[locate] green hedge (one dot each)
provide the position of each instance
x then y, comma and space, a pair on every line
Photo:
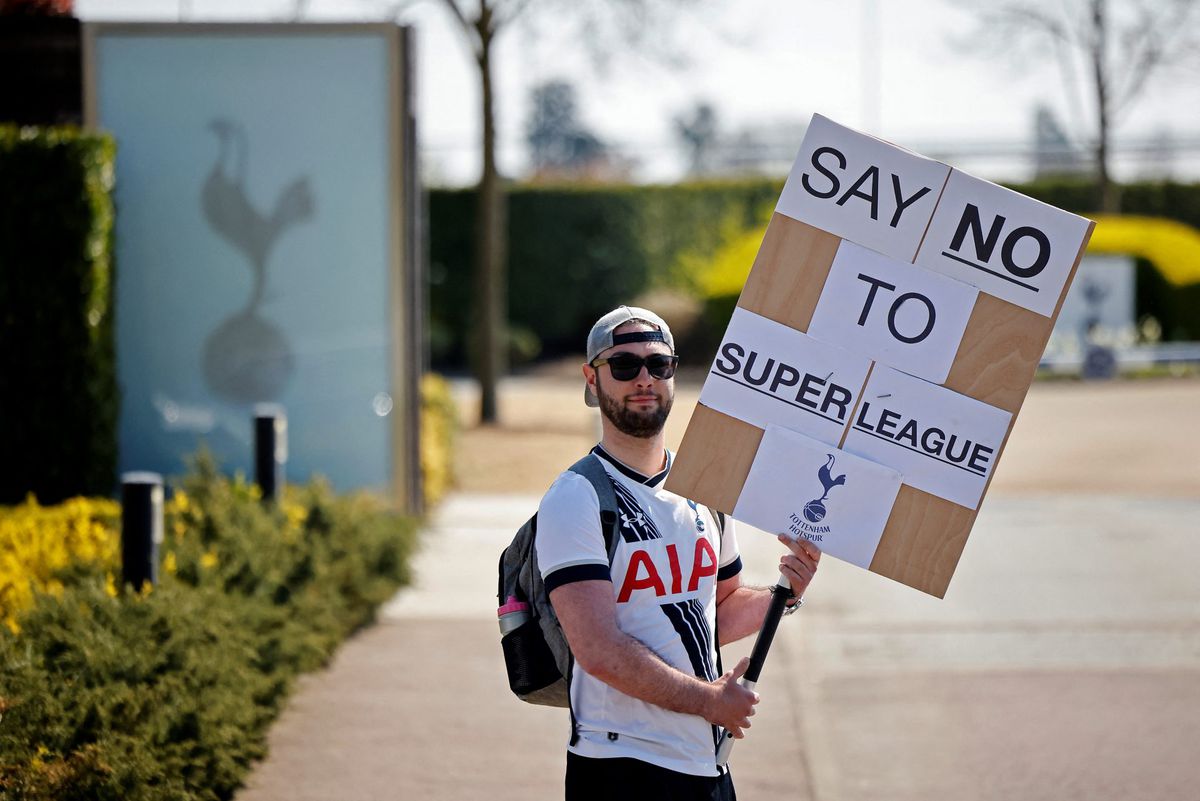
575, 253
58, 388
168, 695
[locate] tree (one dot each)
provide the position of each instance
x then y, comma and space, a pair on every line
1117, 47
630, 22
697, 130
481, 28
559, 142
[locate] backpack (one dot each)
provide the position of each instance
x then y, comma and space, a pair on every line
536, 655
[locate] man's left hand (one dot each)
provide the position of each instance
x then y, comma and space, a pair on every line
799, 566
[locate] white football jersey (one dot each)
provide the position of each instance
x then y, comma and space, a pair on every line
664, 575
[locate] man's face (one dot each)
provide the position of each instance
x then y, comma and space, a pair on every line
637, 407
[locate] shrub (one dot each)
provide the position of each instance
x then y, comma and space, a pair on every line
37, 543
167, 693
439, 428
58, 388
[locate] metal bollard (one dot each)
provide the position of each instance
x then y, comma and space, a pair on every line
141, 527
270, 449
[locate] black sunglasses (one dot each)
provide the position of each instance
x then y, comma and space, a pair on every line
626, 366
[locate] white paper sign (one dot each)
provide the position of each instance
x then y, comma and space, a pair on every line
905, 316
944, 443
1011, 246
808, 489
768, 373
862, 189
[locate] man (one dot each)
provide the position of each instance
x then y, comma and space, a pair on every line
648, 698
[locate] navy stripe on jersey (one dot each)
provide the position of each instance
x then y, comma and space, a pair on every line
687, 618
630, 473
696, 610
636, 525
573, 573
730, 570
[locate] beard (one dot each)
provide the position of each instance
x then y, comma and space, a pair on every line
634, 422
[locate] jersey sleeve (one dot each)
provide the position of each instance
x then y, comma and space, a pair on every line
569, 543
731, 559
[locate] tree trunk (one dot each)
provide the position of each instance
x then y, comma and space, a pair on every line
491, 285
1107, 196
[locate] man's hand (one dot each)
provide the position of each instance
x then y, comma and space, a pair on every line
732, 704
799, 566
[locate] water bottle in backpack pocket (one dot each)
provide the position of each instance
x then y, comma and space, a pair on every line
536, 655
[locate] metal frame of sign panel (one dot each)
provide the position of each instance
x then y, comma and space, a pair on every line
995, 363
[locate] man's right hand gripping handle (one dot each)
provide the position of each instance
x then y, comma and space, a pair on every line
732, 704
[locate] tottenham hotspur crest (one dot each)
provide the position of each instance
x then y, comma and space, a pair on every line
814, 510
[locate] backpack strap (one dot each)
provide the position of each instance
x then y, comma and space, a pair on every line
590, 468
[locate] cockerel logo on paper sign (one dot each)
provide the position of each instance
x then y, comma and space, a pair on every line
814, 510
843, 503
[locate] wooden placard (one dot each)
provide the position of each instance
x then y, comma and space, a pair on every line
995, 363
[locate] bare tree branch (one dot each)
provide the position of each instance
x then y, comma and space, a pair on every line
469, 28
1116, 48
1155, 40
997, 22
516, 9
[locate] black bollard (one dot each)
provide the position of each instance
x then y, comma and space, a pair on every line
141, 527
270, 449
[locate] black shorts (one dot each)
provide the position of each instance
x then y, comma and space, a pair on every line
626, 779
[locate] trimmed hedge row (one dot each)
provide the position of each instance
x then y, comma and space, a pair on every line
58, 386
167, 694
575, 253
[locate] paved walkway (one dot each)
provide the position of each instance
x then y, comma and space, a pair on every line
1063, 664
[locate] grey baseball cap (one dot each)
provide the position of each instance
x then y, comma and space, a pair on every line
600, 338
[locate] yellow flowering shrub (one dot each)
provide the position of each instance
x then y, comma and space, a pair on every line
38, 542
726, 272
439, 427
722, 268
